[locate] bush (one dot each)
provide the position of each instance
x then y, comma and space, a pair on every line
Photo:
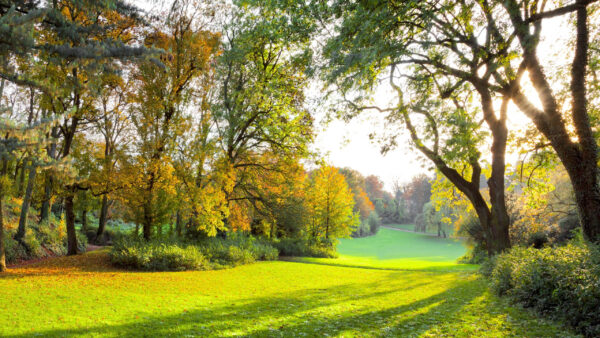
107, 237
82, 242
14, 250
175, 255
369, 226
538, 239
477, 255
155, 256
374, 222
32, 245
301, 248
562, 282
237, 249
52, 239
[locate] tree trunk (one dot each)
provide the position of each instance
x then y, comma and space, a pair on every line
45, 212
580, 157
2, 248
103, 214
49, 182
26, 202
71, 233
84, 220
147, 225
178, 223
21, 177
499, 221
587, 195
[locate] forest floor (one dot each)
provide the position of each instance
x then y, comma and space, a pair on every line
85, 296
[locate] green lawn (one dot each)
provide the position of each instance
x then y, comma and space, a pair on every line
409, 227
391, 249
85, 296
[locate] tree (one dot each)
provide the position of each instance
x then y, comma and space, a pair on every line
259, 112
374, 187
435, 102
416, 193
362, 203
113, 124
163, 92
490, 46
331, 206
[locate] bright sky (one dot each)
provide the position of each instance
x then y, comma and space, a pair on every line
348, 145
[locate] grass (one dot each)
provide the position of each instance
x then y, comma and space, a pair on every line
85, 296
409, 227
391, 249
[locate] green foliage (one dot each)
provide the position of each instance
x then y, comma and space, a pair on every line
177, 255
82, 242
14, 250
369, 226
157, 256
236, 250
562, 281
294, 247
109, 236
476, 255
51, 238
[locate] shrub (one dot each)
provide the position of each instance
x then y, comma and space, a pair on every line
107, 237
476, 255
155, 256
32, 245
303, 248
82, 242
14, 250
562, 282
538, 239
235, 250
374, 222
176, 255
51, 239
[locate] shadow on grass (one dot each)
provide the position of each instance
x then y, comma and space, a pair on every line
466, 268
363, 308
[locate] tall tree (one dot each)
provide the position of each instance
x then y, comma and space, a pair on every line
260, 113
331, 205
161, 99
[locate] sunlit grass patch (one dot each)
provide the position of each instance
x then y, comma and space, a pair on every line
391, 249
85, 296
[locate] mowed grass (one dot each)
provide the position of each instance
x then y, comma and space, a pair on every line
392, 249
85, 296
409, 227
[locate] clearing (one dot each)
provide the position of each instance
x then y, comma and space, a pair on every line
85, 296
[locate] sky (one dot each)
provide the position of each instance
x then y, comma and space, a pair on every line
348, 145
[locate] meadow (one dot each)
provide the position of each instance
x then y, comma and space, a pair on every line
85, 296
399, 250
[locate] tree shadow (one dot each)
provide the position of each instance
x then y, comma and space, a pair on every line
303, 312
